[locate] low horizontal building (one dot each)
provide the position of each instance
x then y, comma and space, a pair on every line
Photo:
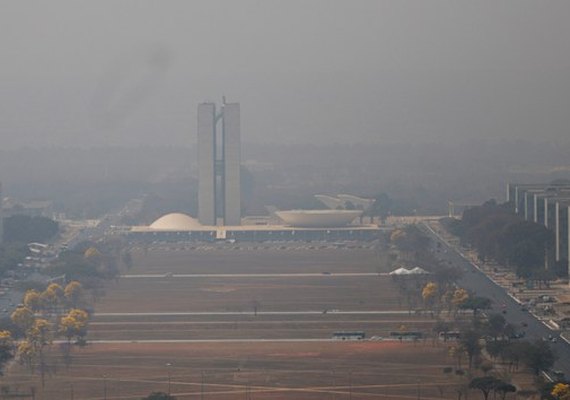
178, 227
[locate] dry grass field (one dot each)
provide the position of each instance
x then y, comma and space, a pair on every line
207, 329
272, 371
257, 258
320, 293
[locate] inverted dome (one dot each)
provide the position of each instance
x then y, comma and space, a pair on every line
318, 218
175, 222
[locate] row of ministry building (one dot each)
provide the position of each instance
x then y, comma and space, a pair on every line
547, 204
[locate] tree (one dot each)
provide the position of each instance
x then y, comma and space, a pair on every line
496, 348
429, 294
496, 325
485, 384
470, 342
27, 354
159, 396
503, 388
23, 318
40, 335
6, 348
460, 296
53, 297
561, 391
32, 300
538, 356
74, 294
26, 229
74, 324
477, 303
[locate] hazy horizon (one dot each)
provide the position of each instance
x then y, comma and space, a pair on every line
80, 74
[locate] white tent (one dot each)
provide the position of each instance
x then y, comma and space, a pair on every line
401, 271
418, 270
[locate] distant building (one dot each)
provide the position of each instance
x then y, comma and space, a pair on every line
345, 201
547, 204
219, 157
34, 208
1, 216
331, 225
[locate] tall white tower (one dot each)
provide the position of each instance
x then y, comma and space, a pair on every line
219, 159
1, 217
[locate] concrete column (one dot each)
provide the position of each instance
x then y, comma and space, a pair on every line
526, 206
535, 208
546, 212
206, 163
557, 230
232, 162
516, 199
1, 218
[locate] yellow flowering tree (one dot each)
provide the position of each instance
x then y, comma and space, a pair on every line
74, 324
561, 391
74, 294
40, 335
52, 297
27, 354
6, 348
23, 318
32, 300
429, 294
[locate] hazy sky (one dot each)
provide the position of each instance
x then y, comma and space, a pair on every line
119, 72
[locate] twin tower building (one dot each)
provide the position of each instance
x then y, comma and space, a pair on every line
219, 197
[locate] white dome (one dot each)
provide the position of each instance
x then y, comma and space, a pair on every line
175, 222
318, 218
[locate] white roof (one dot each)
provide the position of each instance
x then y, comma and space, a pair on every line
175, 222
401, 271
413, 271
318, 218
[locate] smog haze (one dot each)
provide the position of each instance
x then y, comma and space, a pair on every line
130, 73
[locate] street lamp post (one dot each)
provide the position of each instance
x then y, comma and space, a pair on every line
168, 365
334, 385
350, 385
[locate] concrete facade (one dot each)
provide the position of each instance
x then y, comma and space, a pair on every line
1, 217
547, 204
206, 163
231, 162
219, 160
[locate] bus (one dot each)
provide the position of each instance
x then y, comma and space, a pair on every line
349, 335
449, 335
408, 335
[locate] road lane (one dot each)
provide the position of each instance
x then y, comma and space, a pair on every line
475, 280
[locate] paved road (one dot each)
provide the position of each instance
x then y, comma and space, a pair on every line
111, 341
475, 280
298, 275
206, 313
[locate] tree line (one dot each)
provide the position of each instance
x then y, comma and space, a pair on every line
498, 234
